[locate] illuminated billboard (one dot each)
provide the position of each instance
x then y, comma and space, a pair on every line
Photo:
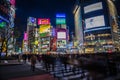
12, 2
60, 18
44, 30
25, 36
31, 21
60, 15
60, 21
43, 21
2, 24
61, 35
61, 44
93, 22
93, 7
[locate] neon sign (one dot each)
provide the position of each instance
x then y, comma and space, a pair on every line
43, 21
60, 15
60, 21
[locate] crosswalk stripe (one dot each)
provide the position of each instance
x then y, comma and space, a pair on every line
60, 72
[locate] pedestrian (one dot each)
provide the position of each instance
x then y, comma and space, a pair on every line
24, 57
40, 58
33, 62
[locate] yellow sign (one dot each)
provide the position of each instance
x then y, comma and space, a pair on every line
44, 28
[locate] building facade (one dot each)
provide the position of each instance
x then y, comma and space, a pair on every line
7, 16
100, 26
78, 26
31, 25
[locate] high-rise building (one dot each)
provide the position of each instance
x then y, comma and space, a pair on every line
78, 24
99, 18
62, 33
45, 34
31, 25
7, 15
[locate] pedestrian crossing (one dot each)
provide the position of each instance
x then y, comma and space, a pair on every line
65, 74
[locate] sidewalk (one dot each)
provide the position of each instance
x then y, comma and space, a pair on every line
9, 62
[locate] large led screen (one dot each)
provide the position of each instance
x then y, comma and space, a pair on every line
12, 2
25, 36
60, 21
93, 22
61, 44
44, 28
60, 15
93, 7
43, 21
61, 35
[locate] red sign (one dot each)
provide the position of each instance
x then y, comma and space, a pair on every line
43, 21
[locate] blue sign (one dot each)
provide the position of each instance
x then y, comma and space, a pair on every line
60, 15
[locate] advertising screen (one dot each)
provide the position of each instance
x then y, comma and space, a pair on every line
93, 7
44, 28
93, 22
12, 2
61, 35
25, 36
2, 24
61, 44
60, 15
43, 21
60, 21
31, 21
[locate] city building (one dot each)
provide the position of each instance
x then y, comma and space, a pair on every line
99, 21
31, 25
7, 15
62, 33
78, 27
25, 44
45, 34
61, 36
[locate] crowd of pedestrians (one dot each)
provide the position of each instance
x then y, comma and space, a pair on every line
105, 62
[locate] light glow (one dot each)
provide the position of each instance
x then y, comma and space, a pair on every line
44, 28
60, 21
93, 7
97, 29
61, 35
60, 15
43, 21
94, 22
25, 36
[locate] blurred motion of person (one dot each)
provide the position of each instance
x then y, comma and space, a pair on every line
33, 62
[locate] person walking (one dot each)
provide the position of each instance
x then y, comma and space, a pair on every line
33, 62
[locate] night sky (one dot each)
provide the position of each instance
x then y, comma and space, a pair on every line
43, 9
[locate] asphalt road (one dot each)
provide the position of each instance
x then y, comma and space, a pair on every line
16, 71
